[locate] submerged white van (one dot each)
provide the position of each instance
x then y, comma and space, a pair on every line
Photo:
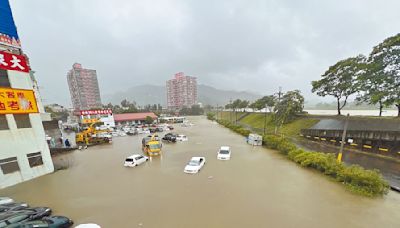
135, 160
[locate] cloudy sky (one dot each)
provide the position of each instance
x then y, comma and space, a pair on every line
234, 44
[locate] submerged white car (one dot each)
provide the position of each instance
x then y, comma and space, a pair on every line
224, 153
195, 164
5, 200
135, 160
181, 138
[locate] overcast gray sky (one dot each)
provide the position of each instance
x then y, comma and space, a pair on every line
235, 44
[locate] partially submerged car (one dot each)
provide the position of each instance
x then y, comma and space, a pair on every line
181, 138
224, 153
135, 160
13, 207
51, 222
169, 137
5, 200
194, 165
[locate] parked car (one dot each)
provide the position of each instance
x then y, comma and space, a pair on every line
170, 137
135, 160
13, 207
181, 138
224, 153
51, 222
195, 164
13, 218
5, 200
33, 213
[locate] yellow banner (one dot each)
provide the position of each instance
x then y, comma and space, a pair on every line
14, 101
90, 120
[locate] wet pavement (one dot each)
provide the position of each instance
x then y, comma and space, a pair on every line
256, 188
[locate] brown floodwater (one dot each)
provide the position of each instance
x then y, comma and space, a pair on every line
256, 188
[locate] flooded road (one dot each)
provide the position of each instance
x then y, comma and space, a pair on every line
256, 188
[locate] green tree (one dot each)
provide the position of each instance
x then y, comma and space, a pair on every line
244, 104
340, 80
148, 120
264, 102
384, 63
292, 103
373, 91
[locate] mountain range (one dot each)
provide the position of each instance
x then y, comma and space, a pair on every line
154, 94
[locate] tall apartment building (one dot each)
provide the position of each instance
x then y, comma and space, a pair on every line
181, 91
84, 88
24, 151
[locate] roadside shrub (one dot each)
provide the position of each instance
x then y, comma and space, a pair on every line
285, 146
271, 141
293, 153
235, 128
362, 181
211, 116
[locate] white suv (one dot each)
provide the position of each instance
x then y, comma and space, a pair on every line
135, 160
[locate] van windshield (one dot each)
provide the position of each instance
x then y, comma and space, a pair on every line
224, 151
129, 160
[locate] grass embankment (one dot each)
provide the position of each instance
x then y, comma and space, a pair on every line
355, 178
256, 122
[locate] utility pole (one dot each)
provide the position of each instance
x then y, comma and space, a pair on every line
280, 94
265, 118
339, 156
230, 113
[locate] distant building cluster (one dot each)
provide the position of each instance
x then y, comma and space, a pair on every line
84, 88
181, 91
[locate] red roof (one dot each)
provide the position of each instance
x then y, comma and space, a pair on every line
133, 116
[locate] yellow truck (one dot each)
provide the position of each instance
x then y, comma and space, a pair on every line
151, 145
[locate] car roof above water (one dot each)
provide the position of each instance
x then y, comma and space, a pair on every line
134, 156
224, 148
196, 158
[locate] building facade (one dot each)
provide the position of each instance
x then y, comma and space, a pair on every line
84, 88
24, 151
181, 91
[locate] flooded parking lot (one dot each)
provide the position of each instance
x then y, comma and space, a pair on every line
256, 188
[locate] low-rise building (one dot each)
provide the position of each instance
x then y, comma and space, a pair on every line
133, 118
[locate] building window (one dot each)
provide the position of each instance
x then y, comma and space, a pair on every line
22, 121
4, 81
9, 165
35, 159
3, 123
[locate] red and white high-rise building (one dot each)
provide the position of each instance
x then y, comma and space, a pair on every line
181, 91
84, 88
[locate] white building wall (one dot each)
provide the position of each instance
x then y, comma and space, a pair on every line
18, 142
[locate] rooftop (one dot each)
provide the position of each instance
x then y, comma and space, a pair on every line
133, 116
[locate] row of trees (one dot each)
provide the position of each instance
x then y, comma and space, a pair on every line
374, 79
131, 107
284, 106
